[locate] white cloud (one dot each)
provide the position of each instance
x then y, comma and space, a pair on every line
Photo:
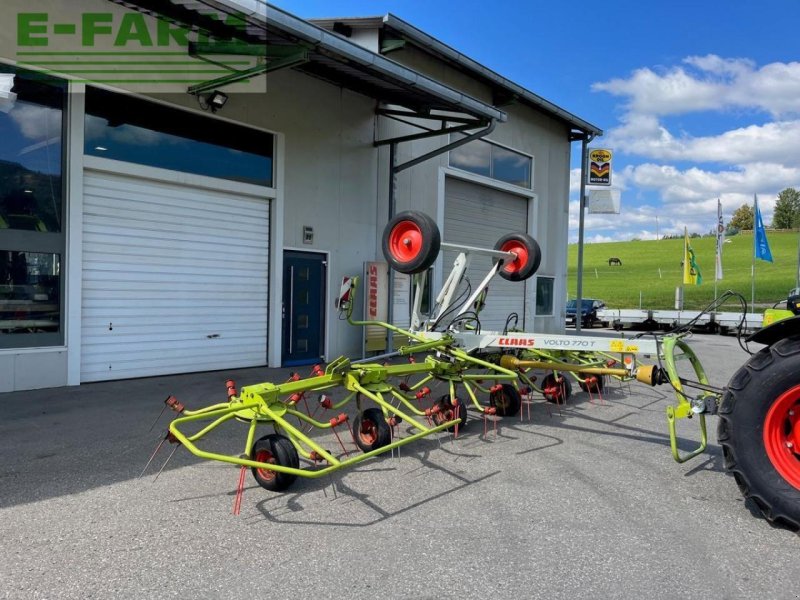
650, 159
37, 122
710, 83
694, 184
644, 135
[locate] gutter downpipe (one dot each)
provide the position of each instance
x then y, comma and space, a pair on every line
588, 137
394, 169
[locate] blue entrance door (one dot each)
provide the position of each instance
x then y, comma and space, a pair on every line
304, 276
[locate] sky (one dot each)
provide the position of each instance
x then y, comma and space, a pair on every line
699, 100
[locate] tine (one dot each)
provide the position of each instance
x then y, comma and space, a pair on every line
153, 455
165, 464
157, 418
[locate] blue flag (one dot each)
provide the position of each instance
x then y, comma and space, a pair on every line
760, 242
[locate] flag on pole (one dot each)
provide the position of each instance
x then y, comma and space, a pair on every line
720, 240
691, 272
760, 243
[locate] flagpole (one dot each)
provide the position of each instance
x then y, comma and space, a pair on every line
753, 266
720, 239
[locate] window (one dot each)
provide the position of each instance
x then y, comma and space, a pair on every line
122, 127
31, 208
544, 296
490, 160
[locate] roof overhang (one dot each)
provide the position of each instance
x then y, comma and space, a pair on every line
330, 57
505, 90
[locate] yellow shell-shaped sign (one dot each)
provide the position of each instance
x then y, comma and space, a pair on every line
600, 155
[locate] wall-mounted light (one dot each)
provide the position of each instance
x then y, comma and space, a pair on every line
216, 100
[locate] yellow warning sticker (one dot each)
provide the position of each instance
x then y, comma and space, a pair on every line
617, 346
631, 348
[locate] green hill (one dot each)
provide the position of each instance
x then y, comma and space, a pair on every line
653, 270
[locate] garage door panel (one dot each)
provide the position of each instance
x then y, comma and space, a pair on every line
139, 348
160, 236
476, 215
174, 201
175, 279
177, 364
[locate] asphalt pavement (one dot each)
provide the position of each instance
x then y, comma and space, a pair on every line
582, 501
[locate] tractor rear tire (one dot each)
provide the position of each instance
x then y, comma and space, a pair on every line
411, 242
274, 449
529, 256
759, 431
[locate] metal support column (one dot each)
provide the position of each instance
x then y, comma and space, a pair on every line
582, 207
392, 210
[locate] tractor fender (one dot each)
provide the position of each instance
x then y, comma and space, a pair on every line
776, 332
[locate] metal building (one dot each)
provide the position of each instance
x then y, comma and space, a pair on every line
150, 224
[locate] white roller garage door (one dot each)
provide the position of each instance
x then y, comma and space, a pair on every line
175, 278
477, 215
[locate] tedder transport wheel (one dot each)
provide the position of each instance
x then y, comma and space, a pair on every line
759, 431
371, 430
557, 394
448, 412
529, 255
506, 400
411, 242
274, 449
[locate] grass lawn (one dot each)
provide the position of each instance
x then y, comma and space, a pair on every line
651, 270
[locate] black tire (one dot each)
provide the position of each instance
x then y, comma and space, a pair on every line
276, 449
754, 431
447, 412
559, 397
529, 256
371, 430
411, 242
596, 387
506, 400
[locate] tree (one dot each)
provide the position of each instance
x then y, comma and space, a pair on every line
742, 217
787, 210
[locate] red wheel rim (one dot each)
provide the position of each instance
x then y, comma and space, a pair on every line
265, 456
518, 248
782, 435
405, 241
368, 432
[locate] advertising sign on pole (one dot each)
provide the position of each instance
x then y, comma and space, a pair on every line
599, 166
603, 202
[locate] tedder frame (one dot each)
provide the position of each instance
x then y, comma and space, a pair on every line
759, 409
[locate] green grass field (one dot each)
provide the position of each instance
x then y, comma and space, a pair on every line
651, 270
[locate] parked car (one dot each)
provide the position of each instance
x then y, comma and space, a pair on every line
589, 308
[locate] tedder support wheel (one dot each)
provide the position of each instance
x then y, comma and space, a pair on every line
506, 400
529, 255
275, 449
759, 431
447, 412
371, 430
556, 393
411, 242
596, 383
